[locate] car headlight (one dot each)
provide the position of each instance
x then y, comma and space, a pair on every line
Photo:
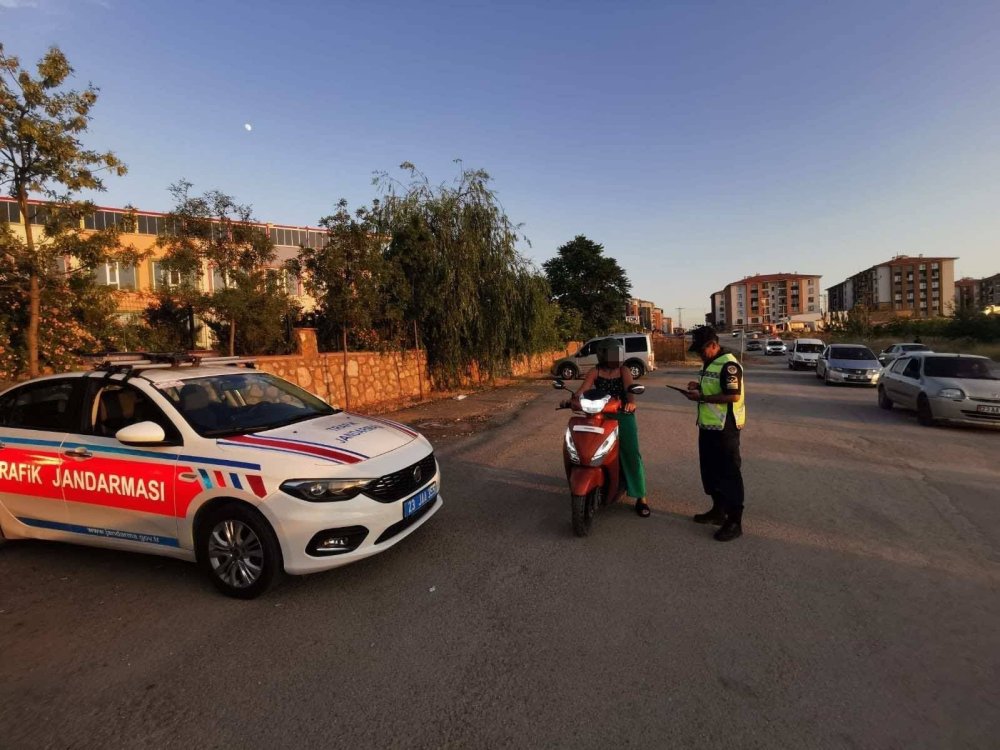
574, 455
955, 393
604, 448
324, 490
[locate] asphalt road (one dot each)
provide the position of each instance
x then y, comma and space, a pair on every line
859, 610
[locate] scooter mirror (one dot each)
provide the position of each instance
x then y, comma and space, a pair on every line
636, 388
558, 385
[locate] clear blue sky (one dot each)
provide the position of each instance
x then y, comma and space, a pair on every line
698, 141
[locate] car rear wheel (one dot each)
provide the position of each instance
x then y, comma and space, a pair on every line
238, 551
884, 401
567, 371
925, 415
636, 369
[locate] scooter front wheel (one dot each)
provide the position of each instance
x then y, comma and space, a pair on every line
583, 508
583, 515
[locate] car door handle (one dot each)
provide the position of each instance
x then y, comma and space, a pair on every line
79, 452
188, 476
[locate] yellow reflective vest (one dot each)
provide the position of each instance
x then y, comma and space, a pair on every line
713, 416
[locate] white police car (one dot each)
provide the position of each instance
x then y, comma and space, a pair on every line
209, 461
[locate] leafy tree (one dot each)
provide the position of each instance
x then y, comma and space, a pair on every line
593, 285
41, 152
360, 292
214, 230
475, 297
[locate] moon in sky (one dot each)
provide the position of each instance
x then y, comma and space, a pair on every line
248, 126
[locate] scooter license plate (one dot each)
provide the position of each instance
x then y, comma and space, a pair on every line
413, 504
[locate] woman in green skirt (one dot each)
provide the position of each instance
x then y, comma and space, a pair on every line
611, 376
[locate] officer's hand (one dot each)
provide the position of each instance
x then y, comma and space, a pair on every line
693, 395
693, 385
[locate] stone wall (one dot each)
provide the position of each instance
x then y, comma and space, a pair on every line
373, 381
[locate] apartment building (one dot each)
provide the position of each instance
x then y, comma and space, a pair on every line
902, 287
646, 314
771, 301
968, 294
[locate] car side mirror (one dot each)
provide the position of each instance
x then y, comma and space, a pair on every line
636, 388
558, 385
141, 433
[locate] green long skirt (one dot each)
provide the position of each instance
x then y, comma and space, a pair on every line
633, 473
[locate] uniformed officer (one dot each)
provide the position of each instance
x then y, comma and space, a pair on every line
721, 416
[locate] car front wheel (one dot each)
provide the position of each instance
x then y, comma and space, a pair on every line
883, 400
238, 551
636, 369
925, 415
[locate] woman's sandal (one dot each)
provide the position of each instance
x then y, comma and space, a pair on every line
642, 508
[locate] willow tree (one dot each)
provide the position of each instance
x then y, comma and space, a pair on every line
41, 124
472, 292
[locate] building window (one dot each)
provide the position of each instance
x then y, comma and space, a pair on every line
116, 275
9, 212
102, 220
164, 278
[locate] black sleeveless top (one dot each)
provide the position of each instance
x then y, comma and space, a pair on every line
614, 386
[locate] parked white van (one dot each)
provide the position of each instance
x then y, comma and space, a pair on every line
638, 356
804, 353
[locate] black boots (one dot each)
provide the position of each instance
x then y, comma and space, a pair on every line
730, 530
714, 516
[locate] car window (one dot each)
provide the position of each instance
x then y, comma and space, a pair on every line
900, 364
913, 348
809, 348
635, 344
851, 352
912, 369
587, 350
112, 406
971, 368
51, 405
234, 404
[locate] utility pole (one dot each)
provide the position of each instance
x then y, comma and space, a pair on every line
680, 318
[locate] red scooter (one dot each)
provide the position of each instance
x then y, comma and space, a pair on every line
590, 454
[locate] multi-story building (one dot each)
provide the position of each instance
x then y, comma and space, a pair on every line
968, 294
903, 287
769, 301
138, 284
989, 292
644, 313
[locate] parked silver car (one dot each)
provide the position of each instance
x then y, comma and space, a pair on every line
848, 363
894, 352
949, 387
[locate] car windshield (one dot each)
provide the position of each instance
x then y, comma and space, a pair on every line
970, 368
913, 348
243, 402
851, 352
809, 348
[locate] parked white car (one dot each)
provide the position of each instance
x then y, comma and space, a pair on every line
891, 353
239, 470
774, 346
944, 387
804, 353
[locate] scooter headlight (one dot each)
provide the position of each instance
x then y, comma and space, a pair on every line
574, 455
594, 406
605, 448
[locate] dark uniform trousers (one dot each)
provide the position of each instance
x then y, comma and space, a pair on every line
719, 457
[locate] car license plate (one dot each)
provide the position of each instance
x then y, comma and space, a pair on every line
986, 409
418, 501
856, 377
